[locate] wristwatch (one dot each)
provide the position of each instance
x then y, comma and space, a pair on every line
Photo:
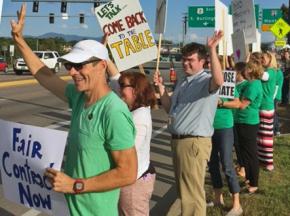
78, 186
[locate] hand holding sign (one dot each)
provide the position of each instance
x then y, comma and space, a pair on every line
60, 181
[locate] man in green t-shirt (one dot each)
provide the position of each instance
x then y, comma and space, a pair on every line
100, 154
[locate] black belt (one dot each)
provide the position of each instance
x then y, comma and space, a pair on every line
174, 136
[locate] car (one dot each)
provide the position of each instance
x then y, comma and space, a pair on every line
20, 66
49, 58
3, 65
166, 59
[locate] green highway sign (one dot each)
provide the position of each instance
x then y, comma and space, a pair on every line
201, 16
270, 16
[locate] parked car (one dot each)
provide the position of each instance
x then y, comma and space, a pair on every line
3, 65
164, 67
49, 58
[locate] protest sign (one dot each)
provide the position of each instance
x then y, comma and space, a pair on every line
240, 47
244, 19
25, 152
256, 47
227, 90
160, 21
130, 39
221, 16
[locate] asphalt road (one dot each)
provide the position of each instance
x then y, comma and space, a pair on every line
28, 103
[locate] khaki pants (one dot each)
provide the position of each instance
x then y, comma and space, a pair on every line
190, 157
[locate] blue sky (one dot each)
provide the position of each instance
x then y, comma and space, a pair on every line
176, 8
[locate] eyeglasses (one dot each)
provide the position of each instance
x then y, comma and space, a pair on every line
122, 85
77, 66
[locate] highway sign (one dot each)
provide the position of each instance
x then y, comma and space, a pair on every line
280, 28
201, 16
269, 17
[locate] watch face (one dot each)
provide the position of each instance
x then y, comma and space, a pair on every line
78, 186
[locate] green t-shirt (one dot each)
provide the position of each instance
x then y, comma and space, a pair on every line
279, 83
269, 90
241, 86
95, 131
254, 93
224, 116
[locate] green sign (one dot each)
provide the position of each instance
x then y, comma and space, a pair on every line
201, 16
270, 16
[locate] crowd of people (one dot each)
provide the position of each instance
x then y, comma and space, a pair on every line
107, 169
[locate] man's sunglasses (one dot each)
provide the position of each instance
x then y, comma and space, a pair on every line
77, 66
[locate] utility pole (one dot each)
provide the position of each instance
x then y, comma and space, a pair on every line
184, 22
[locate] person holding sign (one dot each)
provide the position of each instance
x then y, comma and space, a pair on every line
191, 110
247, 123
241, 84
100, 156
222, 153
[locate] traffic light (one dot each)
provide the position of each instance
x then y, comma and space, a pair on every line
35, 6
82, 18
96, 4
63, 7
51, 18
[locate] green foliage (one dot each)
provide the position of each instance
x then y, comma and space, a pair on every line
55, 44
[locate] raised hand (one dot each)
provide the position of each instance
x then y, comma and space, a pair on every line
17, 27
213, 41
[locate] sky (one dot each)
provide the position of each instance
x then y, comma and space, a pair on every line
37, 23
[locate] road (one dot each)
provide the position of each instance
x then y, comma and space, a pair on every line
28, 103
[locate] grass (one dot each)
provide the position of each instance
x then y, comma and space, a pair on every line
273, 198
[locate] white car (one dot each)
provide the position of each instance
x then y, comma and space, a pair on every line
49, 58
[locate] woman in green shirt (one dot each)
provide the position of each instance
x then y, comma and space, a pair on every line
247, 123
241, 84
265, 133
277, 99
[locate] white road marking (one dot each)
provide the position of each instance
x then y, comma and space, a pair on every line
159, 131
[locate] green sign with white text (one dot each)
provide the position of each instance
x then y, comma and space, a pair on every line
270, 16
201, 16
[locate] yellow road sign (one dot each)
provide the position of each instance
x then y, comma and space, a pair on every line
280, 43
280, 28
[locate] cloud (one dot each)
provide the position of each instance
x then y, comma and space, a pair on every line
64, 26
193, 37
81, 26
84, 26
